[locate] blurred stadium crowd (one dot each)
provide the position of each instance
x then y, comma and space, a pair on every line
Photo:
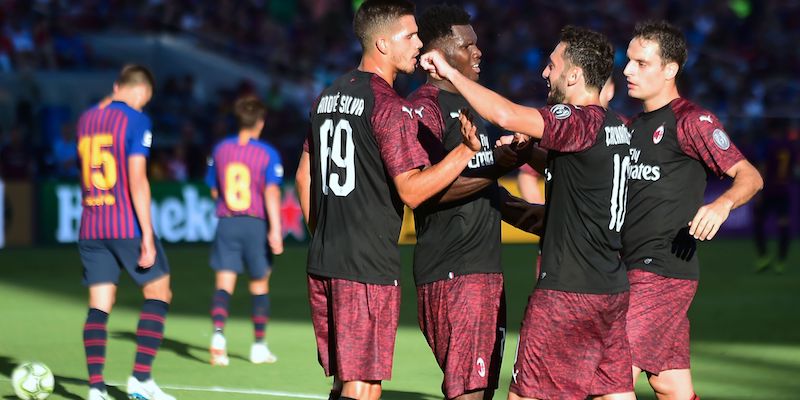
743, 64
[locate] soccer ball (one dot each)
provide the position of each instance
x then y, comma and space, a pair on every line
32, 381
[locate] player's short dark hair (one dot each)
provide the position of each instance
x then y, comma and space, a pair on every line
591, 51
671, 42
135, 74
377, 14
437, 23
249, 110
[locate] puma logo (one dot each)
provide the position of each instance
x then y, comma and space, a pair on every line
407, 110
706, 118
418, 111
454, 114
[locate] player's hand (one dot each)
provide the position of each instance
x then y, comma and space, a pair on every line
469, 133
504, 140
147, 255
505, 156
433, 63
275, 239
522, 140
709, 218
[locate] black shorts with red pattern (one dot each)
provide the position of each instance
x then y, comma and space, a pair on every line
464, 321
355, 326
572, 345
658, 327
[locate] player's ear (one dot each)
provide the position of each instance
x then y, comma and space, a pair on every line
671, 71
574, 75
382, 44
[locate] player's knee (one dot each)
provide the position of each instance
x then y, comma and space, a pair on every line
158, 290
671, 387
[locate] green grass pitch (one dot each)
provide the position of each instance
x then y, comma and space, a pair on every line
745, 328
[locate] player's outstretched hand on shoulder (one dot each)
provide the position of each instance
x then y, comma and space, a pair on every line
275, 239
433, 63
469, 133
709, 219
147, 254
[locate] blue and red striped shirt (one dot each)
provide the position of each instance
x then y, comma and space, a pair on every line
241, 173
107, 136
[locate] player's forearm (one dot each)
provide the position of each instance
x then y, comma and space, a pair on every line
520, 214
415, 187
497, 109
303, 187
272, 195
464, 187
538, 160
140, 195
746, 183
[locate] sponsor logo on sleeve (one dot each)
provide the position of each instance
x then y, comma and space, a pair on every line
408, 111
658, 134
418, 111
147, 139
561, 111
721, 139
706, 118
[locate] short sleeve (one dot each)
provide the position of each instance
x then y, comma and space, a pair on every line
702, 136
139, 137
570, 129
395, 130
274, 170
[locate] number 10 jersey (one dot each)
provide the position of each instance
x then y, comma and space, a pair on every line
363, 134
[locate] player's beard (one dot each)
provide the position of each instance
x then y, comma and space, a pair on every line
556, 95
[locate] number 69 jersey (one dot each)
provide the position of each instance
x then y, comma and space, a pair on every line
362, 135
585, 196
107, 136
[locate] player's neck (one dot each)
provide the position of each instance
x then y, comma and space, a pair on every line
583, 98
660, 100
443, 85
245, 135
123, 98
376, 65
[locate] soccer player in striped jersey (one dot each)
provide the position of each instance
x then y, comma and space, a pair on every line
116, 231
245, 176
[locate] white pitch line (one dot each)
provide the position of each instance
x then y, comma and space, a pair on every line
221, 389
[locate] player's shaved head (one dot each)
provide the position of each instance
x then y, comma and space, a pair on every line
377, 15
670, 40
590, 51
437, 22
249, 111
134, 74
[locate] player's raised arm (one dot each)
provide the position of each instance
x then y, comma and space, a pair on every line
490, 105
746, 183
140, 195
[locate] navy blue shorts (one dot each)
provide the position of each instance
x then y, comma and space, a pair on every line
240, 241
104, 258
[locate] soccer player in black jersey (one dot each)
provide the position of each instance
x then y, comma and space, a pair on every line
572, 342
457, 269
361, 162
675, 145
